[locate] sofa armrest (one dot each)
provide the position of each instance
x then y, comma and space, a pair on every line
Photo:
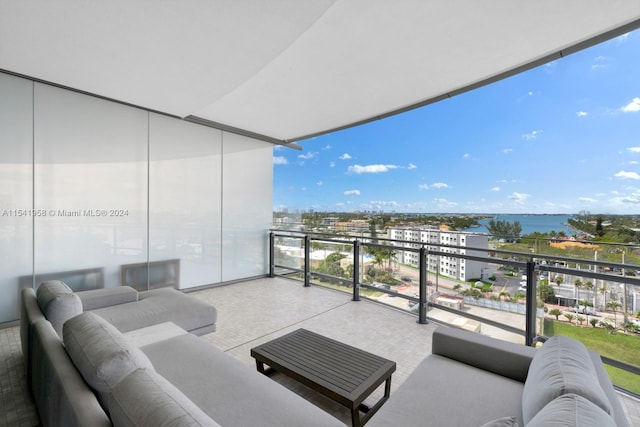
490, 354
99, 298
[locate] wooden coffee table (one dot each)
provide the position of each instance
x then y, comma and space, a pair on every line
339, 371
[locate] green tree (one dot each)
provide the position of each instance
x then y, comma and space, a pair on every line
614, 305
503, 229
546, 292
558, 280
555, 312
331, 266
593, 321
599, 229
569, 316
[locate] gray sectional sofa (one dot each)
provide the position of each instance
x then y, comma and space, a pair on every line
86, 372
475, 380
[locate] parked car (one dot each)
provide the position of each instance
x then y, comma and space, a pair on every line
586, 309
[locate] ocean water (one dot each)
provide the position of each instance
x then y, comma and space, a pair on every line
531, 223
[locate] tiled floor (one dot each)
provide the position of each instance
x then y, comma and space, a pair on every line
254, 312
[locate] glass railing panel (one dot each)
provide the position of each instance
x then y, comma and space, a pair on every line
518, 297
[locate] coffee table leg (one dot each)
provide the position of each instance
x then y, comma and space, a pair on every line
355, 417
260, 367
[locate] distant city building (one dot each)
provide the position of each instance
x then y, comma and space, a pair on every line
443, 241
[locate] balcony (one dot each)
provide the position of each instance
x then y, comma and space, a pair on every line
253, 312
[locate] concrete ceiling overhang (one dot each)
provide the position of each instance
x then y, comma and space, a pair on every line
285, 70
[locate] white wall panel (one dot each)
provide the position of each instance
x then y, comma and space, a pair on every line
185, 179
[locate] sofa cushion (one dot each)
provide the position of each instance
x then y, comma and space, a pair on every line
58, 303
572, 410
102, 355
158, 306
444, 392
106, 297
561, 366
145, 398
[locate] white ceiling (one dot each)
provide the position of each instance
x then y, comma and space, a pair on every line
289, 69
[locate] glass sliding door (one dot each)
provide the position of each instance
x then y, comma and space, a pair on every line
16, 184
90, 171
185, 176
247, 206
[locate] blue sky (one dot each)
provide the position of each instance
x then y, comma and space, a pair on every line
561, 138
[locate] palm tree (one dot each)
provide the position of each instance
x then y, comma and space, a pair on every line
577, 285
614, 305
558, 280
603, 291
555, 312
569, 316
588, 285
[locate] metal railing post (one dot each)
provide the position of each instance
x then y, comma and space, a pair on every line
307, 249
272, 240
356, 270
531, 311
422, 304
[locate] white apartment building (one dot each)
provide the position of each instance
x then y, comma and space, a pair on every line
443, 241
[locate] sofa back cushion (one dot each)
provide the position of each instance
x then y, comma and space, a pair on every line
59, 391
571, 410
58, 303
100, 352
145, 398
561, 366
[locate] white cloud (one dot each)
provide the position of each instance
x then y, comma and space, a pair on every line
623, 38
319, 183
444, 203
466, 155
280, 160
495, 189
377, 204
345, 156
352, 193
581, 113
634, 162
531, 135
423, 186
327, 147
309, 155
519, 197
627, 175
358, 169
634, 149
439, 185
507, 150
632, 107
332, 164
587, 200
411, 166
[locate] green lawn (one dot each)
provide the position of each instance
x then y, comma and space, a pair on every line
619, 346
